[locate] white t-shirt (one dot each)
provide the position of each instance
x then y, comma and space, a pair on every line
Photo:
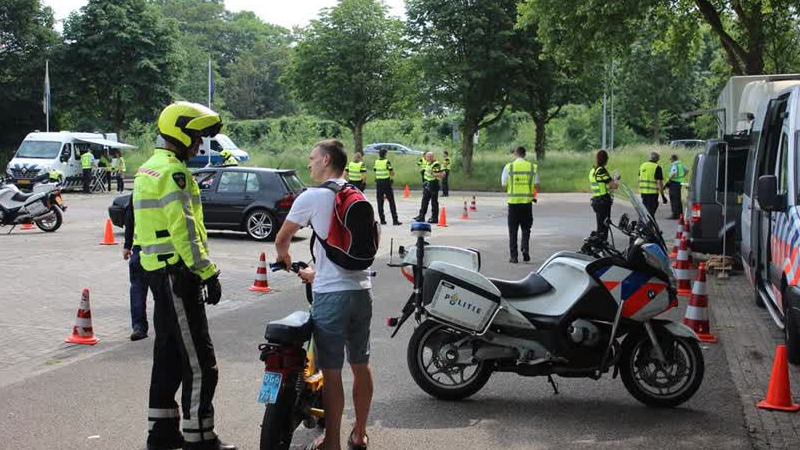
315, 207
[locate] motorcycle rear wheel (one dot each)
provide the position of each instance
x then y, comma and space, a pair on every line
278, 424
432, 336
654, 384
52, 224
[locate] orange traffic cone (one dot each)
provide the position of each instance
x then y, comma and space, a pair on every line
82, 332
261, 284
472, 206
683, 270
680, 219
688, 234
443, 217
779, 393
406, 192
26, 226
108, 239
696, 316
464, 213
677, 242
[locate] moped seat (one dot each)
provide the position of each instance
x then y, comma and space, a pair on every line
294, 329
529, 286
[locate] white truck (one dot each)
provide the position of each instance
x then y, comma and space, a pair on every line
770, 217
40, 152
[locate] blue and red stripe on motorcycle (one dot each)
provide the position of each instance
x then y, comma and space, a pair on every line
641, 295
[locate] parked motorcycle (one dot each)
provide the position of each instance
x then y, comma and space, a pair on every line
292, 386
43, 206
580, 315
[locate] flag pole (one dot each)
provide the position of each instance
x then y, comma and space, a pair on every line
47, 94
207, 144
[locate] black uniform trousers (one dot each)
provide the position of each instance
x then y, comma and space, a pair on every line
384, 189
182, 355
430, 195
87, 179
446, 183
602, 211
361, 185
650, 203
520, 216
675, 201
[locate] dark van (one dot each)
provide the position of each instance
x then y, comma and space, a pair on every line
706, 194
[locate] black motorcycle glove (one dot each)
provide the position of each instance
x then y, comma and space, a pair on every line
213, 290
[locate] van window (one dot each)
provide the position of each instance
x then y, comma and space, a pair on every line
39, 149
215, 146
783, 175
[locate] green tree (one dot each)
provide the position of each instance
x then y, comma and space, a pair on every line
27, 38
346, 65
253, 89
123, 59
583, 29
469, 56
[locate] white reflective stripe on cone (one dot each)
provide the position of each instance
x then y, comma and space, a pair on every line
83, 323
682, 274
261, 276
699, 288
683, 255
163, 413
695, 313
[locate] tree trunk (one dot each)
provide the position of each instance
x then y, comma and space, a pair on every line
656, 129
467, 145
541, 138
358, 136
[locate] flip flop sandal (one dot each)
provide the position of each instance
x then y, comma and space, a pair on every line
353, 446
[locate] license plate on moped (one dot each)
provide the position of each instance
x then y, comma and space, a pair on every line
270, 387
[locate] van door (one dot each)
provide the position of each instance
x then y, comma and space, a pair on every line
768, 164
782, 226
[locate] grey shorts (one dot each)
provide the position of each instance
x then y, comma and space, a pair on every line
341, 321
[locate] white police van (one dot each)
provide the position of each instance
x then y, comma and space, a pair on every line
209, 153
770, 246
40, 152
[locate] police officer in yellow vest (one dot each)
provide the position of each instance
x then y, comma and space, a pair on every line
228, 160
87, 162
521, 179
421, 163
677, 175
384, 172
169, 228
430, 189
651, 183
601, 183
356, 172
446, 180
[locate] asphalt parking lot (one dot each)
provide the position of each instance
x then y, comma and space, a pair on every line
57, 395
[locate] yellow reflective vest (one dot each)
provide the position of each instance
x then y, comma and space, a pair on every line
520, 184
168, 216
86, 160
680, 171
647, 178
431, 169
383, 169
597, 180
354, 170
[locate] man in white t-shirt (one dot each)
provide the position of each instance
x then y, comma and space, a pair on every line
342, 308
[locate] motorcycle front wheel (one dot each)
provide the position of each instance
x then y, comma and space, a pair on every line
278, 424
664, 385
428, 363
53, 223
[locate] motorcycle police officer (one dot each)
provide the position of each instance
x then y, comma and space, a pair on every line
677, 175
228, 160
169, 229
430, 189
521, 177
384, 172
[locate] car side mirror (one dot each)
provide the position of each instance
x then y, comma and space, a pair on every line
768, 198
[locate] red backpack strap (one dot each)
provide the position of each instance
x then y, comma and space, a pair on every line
335, 188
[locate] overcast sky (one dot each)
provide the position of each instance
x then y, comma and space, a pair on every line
286, 13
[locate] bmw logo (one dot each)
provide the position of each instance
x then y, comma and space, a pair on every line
651, 294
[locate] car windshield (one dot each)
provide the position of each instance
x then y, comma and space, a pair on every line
38, 149
645, 219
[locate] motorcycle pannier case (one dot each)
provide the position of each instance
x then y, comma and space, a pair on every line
459, 297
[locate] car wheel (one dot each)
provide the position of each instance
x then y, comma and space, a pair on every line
260, 224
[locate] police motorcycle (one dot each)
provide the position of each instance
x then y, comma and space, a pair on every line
580, 315
43, 206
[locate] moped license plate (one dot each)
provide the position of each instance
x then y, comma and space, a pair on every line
270, 387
